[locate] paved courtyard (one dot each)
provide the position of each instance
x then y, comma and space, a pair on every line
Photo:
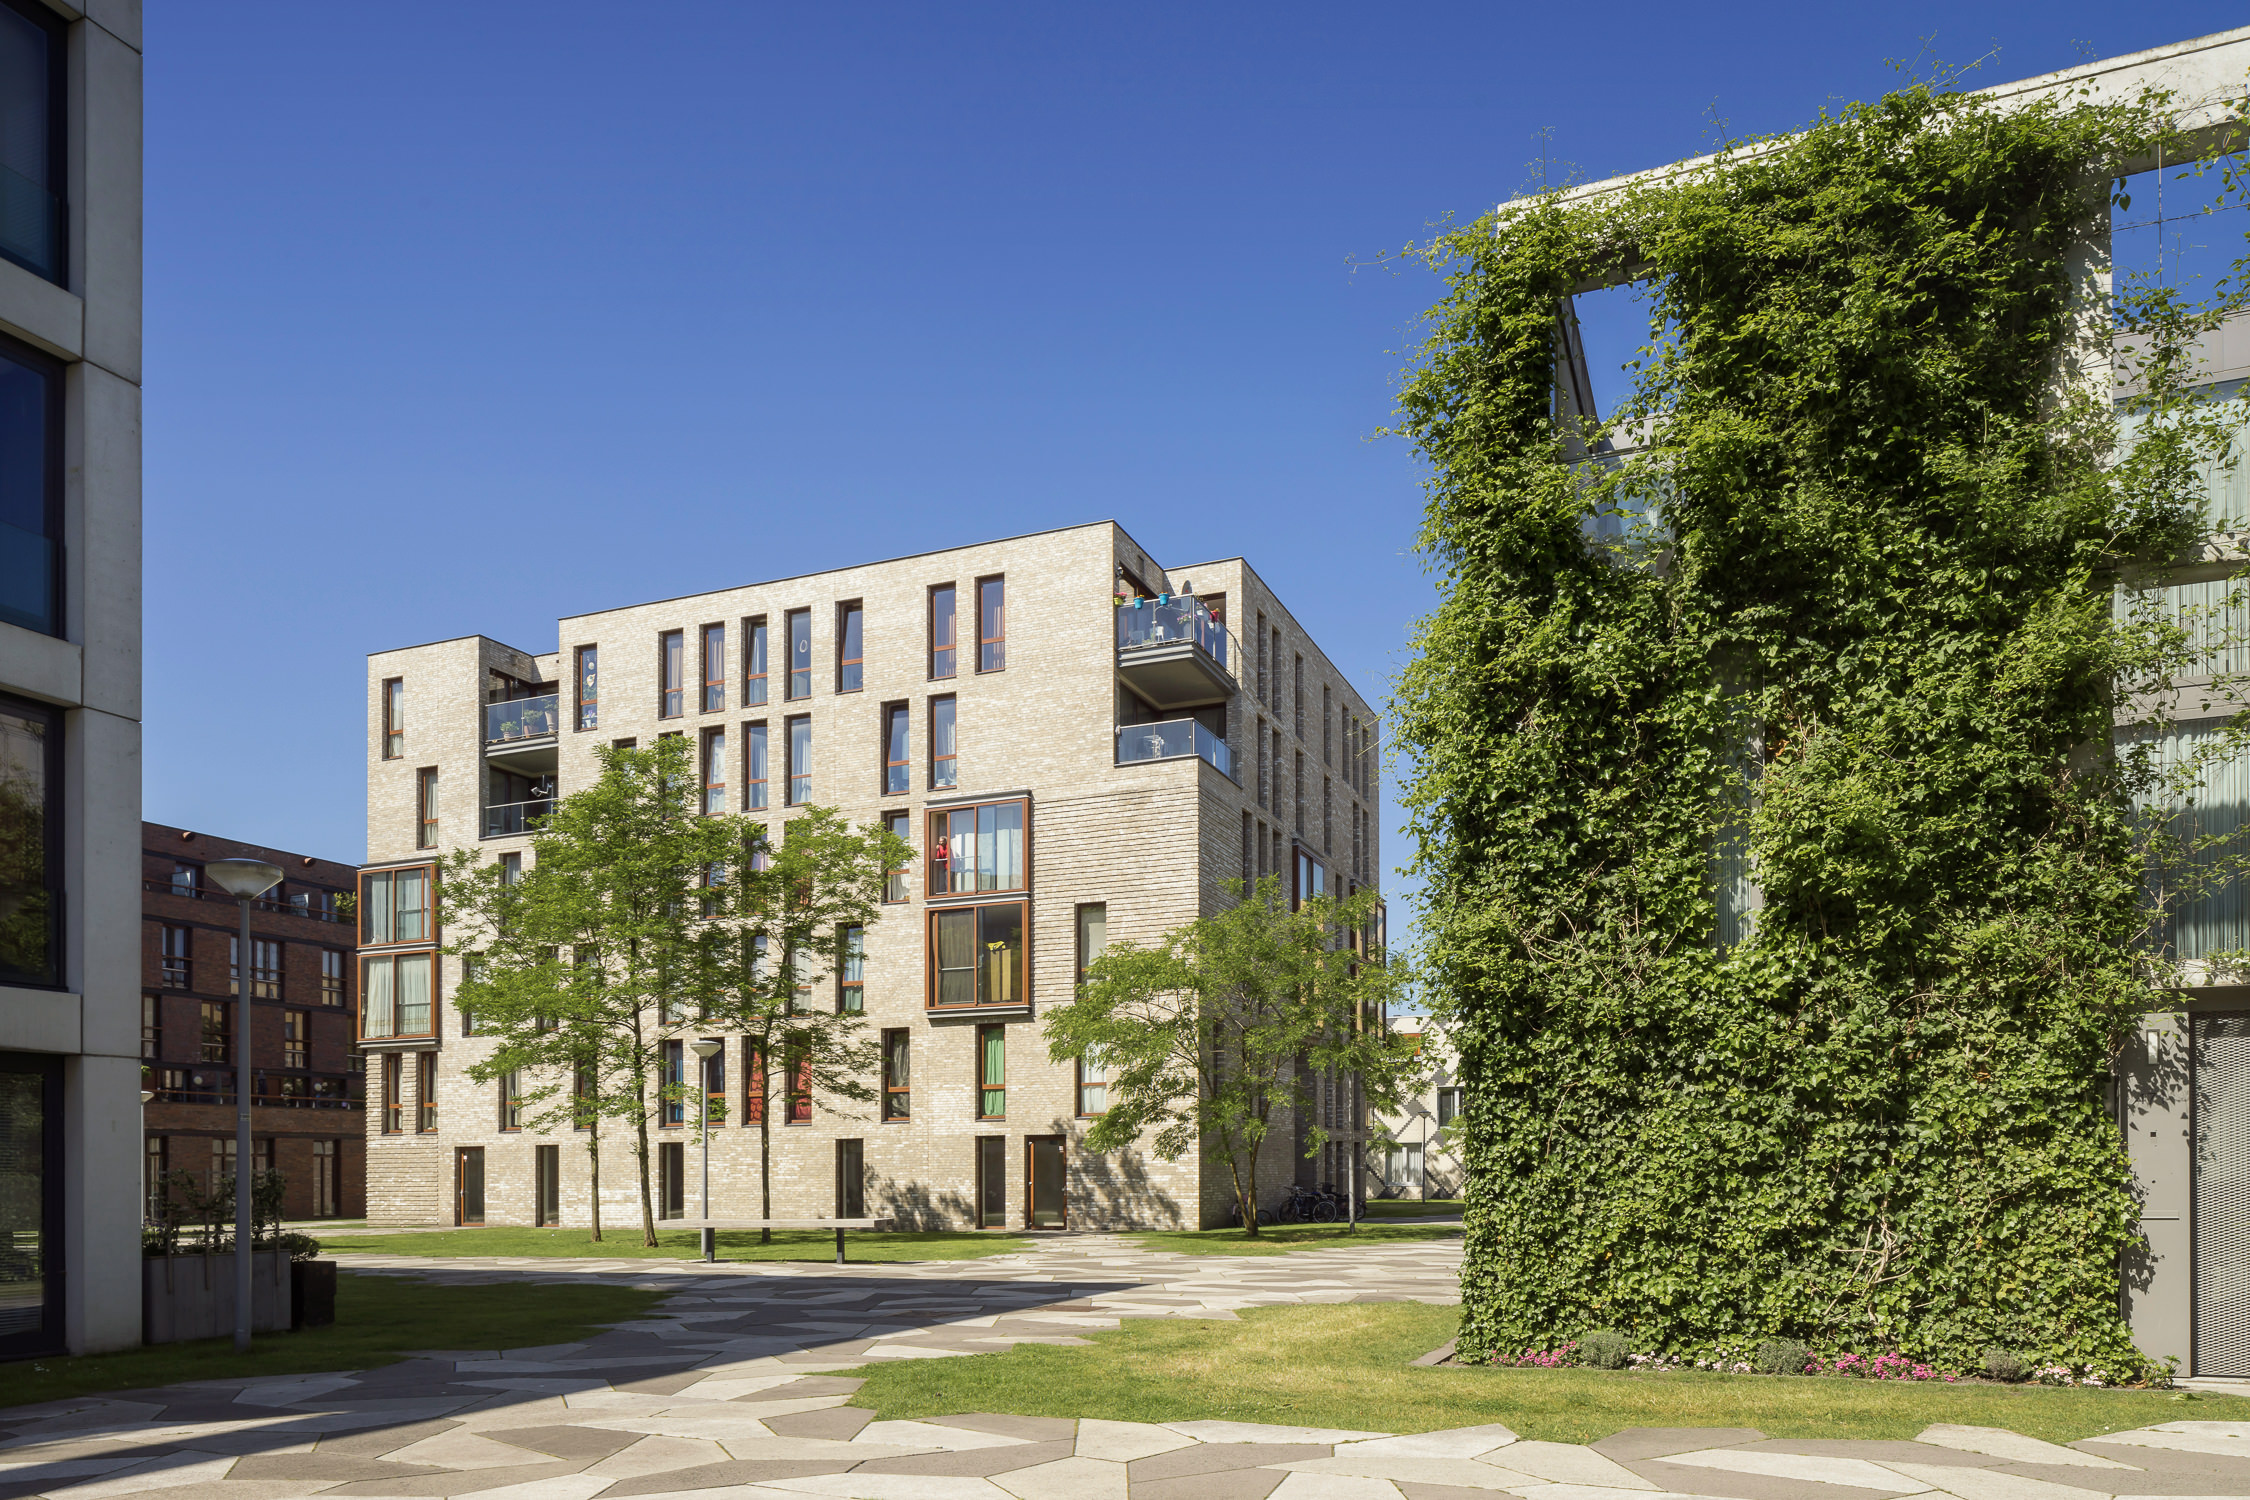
736, 1391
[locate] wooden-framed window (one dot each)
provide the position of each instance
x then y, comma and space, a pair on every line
797, 625
898, 1075
511, 1100
1311, 880
945, 744
675, 1080
1297, 790
976, 956
992, 624
799, 1073
671, 674
296, 1038
901, 825
396, 994
851, 625
426, 808
978, 847
992, 1072
582, 1099
1093, 1085
152, 1028
425, 1092
179, 966
714, 640
754, 767
586, 687
799, 769
393, 1066
897, 751
331, 976
753, 661
714, 771
394, 906
851, 971
511, 867
1093, 934
753, 1085
942, 631
215, 1032
1265, 689
394, 718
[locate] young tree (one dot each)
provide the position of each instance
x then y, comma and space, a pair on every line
1212, 1032
598, 952
786, 920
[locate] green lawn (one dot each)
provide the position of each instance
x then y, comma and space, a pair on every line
682, 1244
1348, 1366
1280, 1239
379, 1320
1412, 1208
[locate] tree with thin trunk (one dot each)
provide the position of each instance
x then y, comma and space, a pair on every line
582, 967
1211, 1036
786, 919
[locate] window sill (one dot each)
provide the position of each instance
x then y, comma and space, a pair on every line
935, 1012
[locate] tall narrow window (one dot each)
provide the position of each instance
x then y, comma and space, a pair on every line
178, 966
584, 1100
714, 770
1297, 788
674, 1081
425, 1091
394, 718
296, 1038
1299, 697
1265, 689
992, 1072
1093, 935
851, 993
392, 1066
992, 624
1249, 855
714, 668
152, 1027
941, 631
850, 627
901, 826
265, 968
753, 661
753, 1085
754, 767
671, 674
215, 1039
511, 1101
588, 686
511, 867
31, 426
897, 771
715, 1083
1325, 715
33, 45
799, 622
1093, 1084
800, 760
800, 1090
426, 808
898, 1080
945, 750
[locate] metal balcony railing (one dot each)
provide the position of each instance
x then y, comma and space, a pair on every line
503, 818
1174, 739
522, 719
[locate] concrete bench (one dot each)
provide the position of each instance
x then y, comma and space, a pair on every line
839, 1225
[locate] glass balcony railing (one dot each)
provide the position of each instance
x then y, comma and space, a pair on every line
522, 719
503, 818
1173, 739
1168, 621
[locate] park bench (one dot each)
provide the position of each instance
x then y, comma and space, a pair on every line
839, 1225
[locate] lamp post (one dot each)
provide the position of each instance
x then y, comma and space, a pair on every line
705, 1049
146, 1095
245, 880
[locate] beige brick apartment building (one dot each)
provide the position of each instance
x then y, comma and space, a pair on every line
1108, 741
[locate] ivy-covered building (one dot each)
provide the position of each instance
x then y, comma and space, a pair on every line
1828, 771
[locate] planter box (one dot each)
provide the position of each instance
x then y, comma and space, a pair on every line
312, 1293
192, 1296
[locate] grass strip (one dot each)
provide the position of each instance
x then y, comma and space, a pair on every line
1282, 1239
683, 1244
379, 1320
1348, 1366
1413, 1208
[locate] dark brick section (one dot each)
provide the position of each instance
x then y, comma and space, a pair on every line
307, 1105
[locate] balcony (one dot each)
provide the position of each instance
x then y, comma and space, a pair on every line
1172, 653
504, 818
519, 734
1175, 739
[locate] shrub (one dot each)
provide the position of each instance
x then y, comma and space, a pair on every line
1782, 1357
2005, 1364
1604, 1349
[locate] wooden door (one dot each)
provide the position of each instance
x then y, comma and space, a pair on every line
1045, 1182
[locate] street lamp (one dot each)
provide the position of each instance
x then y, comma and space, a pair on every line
245, 880
705, 1049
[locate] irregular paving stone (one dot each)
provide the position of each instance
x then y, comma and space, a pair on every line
842, 1423
804, 1386
319, 1468
376, 1443
719, 1476
1655, 1442
1684, 1479
1224, 1484
467, 1482
1998, 1442
978, 1463
1212, 1458
1852, 1473
587, 1443
1066, 1479
1036, 1429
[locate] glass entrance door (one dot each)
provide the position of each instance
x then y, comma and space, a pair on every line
1044, 1168
30, 1204
468, 1185
547, 1185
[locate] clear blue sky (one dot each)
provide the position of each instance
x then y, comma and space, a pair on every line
462, 317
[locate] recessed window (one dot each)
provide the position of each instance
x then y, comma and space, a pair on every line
179, 965
992, 1072
671, 673
511, 867
851, 623
977, 956
851, 993
897, 765
394, 905
152, 1028
753, 661
798, 623
587, 684
296, 1039
901, 826
941, 631
426, 808
425, 1092
33, 44
1448, 1107
714, 668
1093, 935
799, 769
393, 1066
945, 745
215, 1032
898, 1077
265, 968
30, 471
798, 1074
977, 848
992, 624
754, 767
714, 770
715, 1084
1093, 1084
394, 718
395, 993
675, 1081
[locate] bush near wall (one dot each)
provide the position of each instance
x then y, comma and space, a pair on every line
1862, 655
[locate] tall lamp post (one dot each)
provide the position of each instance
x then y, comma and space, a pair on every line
705, 1049
245, 880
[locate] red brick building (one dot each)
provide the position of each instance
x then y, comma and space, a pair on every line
306, 1099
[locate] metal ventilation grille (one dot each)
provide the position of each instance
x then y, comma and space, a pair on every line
2222, 1195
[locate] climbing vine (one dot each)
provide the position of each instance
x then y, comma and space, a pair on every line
1836, 629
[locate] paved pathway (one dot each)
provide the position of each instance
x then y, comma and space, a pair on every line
736, 1391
